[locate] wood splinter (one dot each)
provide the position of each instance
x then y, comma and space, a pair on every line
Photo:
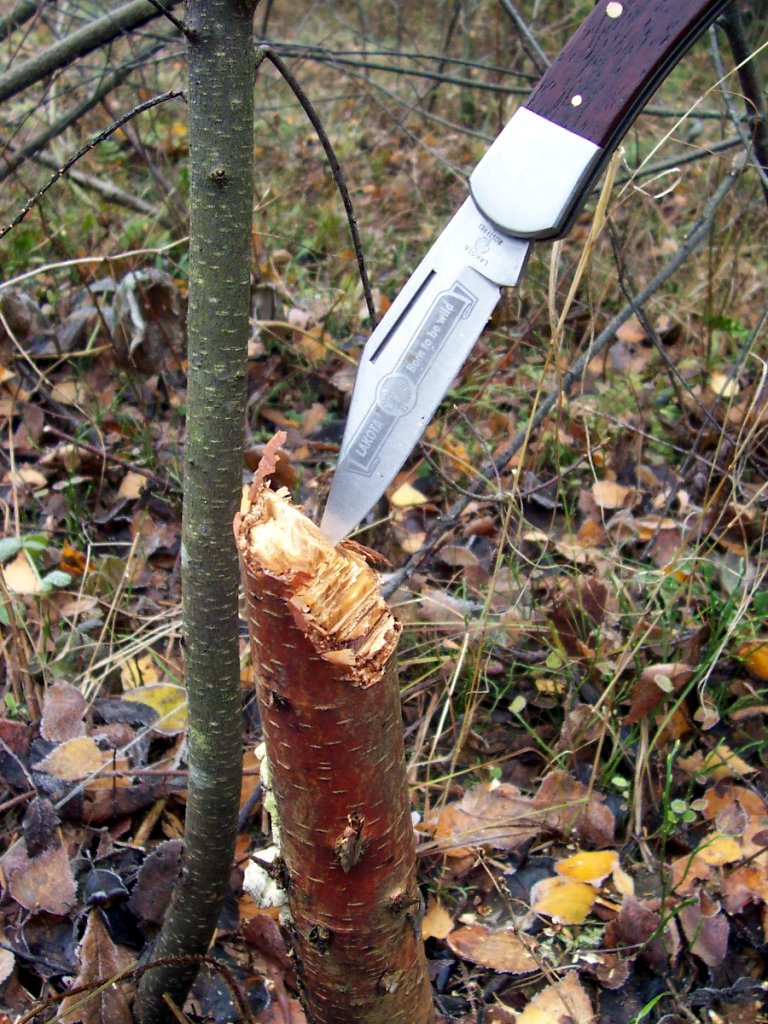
323, 644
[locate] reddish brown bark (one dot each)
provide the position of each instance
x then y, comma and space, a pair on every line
323, 643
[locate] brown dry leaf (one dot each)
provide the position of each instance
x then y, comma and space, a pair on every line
721, 797
63, 710
707, 930
588, 866
556, 1004
746, 884
501, 818
653, 688
570, 806
565, 901
40, 883
504, 951
312, 418
170, 703
97, 963
74, 759
609, 494
437, 923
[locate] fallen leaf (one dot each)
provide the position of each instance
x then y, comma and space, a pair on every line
168, 700
19, 576
437, 923
63, 710
564, 1001
755, 657
565, 901
720, 763
585, 866
719, 849
569, 806
707, 930
98, 962
41, 883
406, 496
132, 485
655, 685
501, 818
609, 494
74, 759
505, 951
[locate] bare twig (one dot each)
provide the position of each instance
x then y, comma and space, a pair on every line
35, 199
107, 84
693, 240
20, 13
171, 17
80, 43
266, 52
530, 44
754, 98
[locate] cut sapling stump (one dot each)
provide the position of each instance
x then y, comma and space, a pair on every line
323, 643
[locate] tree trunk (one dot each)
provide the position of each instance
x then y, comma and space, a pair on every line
221, 76
323, 643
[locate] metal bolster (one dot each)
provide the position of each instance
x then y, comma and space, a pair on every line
531, 179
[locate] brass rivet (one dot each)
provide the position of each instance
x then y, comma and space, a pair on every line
614, 10
576, 100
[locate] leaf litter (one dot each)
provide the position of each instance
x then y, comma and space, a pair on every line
584, 663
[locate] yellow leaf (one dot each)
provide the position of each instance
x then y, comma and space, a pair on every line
437, 922
623, 883
719, 849
755, 656
132, 485
585, 866
138, 671
168, 700
406, 496
75, 759
535, 1015
563, 900
609, 494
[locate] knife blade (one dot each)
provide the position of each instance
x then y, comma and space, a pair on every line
531, 184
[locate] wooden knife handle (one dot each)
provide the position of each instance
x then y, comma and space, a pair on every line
613, 63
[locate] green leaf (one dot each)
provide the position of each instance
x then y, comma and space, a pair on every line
9, 546
55, 579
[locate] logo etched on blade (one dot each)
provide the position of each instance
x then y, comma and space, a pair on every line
397, 393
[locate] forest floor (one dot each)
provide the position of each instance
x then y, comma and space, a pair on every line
584, 662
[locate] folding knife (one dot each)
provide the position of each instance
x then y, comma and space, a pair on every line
530, 185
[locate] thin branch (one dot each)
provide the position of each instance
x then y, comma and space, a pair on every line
35, 199
267, 52
18, 15
530, 44
107, 84
754, 98
78, 44
693, 240
171, 17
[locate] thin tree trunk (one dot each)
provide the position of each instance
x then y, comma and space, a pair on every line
323, 643
221, 78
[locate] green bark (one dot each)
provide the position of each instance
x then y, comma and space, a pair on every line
221, 75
